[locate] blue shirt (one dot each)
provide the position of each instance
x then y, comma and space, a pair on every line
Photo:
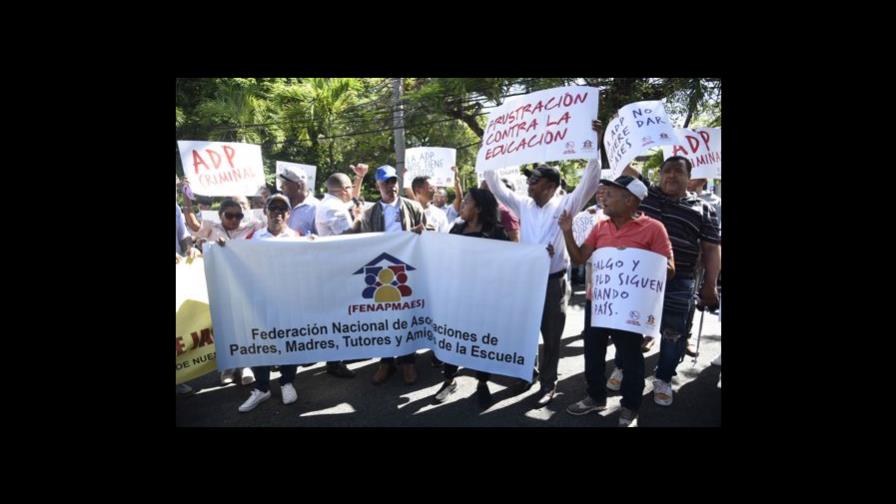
301, 217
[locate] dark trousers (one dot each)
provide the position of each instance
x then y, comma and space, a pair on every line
263, 376
628, 354
450, 371
404, 359
553, 320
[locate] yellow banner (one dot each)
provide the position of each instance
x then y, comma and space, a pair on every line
194, 338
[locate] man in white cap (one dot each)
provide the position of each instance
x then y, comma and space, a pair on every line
625, 228
295, 187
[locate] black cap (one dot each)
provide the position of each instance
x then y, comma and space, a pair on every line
544, 171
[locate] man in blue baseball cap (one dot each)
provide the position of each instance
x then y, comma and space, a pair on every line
392, 214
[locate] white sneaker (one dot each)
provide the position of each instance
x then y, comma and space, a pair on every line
662, 392
248, 376
717, 361
254, 400
289, 393
227, 377
615, 381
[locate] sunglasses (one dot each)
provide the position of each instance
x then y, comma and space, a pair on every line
278, 209
228, 215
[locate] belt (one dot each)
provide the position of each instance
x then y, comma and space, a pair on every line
558, 274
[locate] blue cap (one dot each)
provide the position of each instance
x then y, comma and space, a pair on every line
385, 172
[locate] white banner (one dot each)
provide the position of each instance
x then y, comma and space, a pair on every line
628, 287
222, 168
639, 126
476, 302
309, 170
703, 147
549, 125
435, 162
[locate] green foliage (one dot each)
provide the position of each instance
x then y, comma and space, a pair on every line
335, 122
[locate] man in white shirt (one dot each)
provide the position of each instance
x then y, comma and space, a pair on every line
301, 217
436, 220
538, 213
333, 217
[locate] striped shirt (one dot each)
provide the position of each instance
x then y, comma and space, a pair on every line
689, 221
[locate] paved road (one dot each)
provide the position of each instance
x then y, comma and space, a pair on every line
327, 401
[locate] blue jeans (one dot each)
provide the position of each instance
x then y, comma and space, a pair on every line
677, 305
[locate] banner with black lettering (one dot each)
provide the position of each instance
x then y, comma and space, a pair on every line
476, 302
628, 286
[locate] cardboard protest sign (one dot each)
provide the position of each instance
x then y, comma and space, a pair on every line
627, 290
222, 168
434, 162
703, 147
638, 127
549, 125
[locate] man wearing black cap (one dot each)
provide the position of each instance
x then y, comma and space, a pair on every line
391, 214
694, 230
626, 227
538, 214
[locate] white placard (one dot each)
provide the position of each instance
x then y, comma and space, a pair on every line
703, 147
638, 127
222, 168
434, 162
549, 125
627, 289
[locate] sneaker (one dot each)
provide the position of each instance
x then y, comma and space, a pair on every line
447, 389
289, 393
546, 395
628, 418
717, 361
585, 406
184, 389
662, 392
647, 344
615, 381
257, 397
248, 377
227, 377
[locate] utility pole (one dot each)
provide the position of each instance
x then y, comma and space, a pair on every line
398, 125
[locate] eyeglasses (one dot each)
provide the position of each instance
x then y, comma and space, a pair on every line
277, 209
228, 215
